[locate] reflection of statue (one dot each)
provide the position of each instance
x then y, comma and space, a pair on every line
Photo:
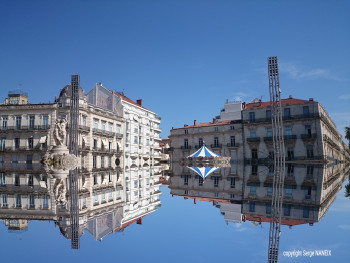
60, 192
60, 131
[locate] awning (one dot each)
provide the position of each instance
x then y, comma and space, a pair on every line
43, 139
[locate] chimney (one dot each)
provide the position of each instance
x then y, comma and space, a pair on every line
311, 99
214, 120
243, 104
139, 102
290, 97
194, 122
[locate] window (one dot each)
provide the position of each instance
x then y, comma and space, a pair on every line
200, 181
288, 131
308, 192
269, 190
14, 161
232, 196
252, 133
30, 143
216, 141
118, 129
309, 151
286, 113
268, 208
110, 195
30, 180
254, 154
29, 161
287, 210
186, 180
233, 140
254, 170
289, 191
216, 181
309, 171
94, 161
232, 128
18, 122
109, 161
308, 130
269, 132
290, 170
110, 127
31, 122
17, 141
127, 137
252, 207
251, 116
95, 144
2, 179
268, 115
84, 121
290, 153
31, 201
103, 196
186, 143
45, 121
271, 153
135, 139
186, 131
232, 182
45, 201
17, 182
82, 161
200, 142
18, 200
216, 129
4, 200
253, 189
103, 125
127, 126
306, 211
84, 201
3, 143
4, 122
102, 162
216, 194
306, 111
95, 124
95, 198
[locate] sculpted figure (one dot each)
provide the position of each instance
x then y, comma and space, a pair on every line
60, 131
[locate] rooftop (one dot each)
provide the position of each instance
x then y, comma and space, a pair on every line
284, 102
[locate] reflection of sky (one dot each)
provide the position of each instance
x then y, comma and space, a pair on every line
180, 231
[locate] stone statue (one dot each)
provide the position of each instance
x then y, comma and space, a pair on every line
60, 133
60, 192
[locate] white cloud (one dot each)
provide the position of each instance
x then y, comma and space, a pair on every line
296, 72
345, 227
344, 97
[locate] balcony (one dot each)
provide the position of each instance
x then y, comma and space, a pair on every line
290, 137
118, 153
185, 147
84, 128
285, 118
232, 145
268, 139
119, 136
216, 145
253, 140
25, 128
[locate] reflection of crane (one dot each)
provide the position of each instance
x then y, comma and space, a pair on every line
73, 174
279, 160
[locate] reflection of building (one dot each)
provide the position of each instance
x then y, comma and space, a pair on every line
309, 191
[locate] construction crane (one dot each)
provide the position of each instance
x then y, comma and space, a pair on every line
279, 160
73, 174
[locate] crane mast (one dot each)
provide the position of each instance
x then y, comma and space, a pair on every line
279, 160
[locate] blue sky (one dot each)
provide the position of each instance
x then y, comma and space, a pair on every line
183, 58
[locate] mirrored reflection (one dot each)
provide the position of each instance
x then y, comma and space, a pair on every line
28, 195
243, 192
